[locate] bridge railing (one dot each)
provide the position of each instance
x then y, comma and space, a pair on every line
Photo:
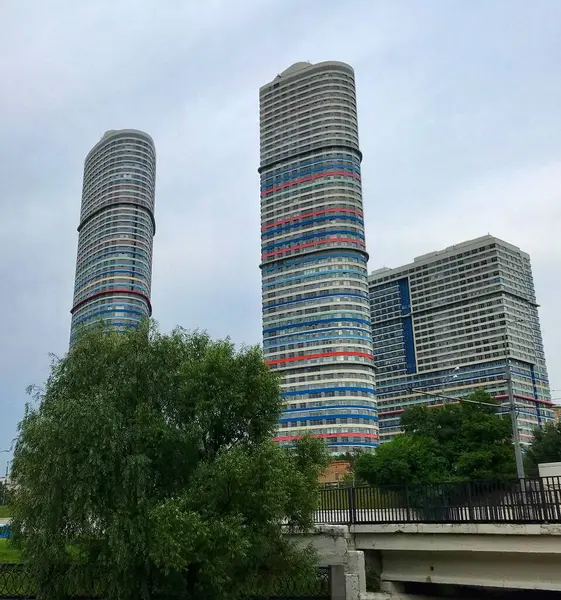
503, 501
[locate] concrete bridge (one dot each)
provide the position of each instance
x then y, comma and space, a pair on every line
478, 556
486, 535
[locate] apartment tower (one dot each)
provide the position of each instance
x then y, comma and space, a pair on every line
316, 317
117, 226
455, 321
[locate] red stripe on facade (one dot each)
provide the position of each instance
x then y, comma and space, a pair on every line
283, 186
308, 244
394, 412
322, 355
112, 291
547, 402
313, 214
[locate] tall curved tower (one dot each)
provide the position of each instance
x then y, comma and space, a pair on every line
316, 318
117, 226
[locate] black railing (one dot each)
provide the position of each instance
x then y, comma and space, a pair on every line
507, 501
15, 582
18, 582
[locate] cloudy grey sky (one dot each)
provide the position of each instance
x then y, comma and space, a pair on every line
460, 122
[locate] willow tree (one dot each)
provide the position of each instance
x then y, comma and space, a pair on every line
146, 463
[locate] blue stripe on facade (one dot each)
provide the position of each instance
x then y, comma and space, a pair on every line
328, 389
317, 234
131, 323
327, 407
440, 374
350, 158
333, 443
366, 444
518, 411
330, 217
333, 416
323, 329
315, 259
268, 183
308, 275
310, 163
316, 322
490, 372
110, 304
99, 256
89, 316
408, 337
111, 272
136, 252
347, 295
317, 339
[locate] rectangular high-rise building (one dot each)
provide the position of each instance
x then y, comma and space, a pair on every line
316, 315
455, 321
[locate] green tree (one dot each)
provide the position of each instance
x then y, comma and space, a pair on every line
148, 458
455, 442
406, 459
545, 447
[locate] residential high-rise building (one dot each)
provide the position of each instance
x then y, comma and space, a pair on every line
117, 226
316, 315
456, 321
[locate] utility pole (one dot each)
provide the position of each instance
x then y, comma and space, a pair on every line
512, 407
515, 431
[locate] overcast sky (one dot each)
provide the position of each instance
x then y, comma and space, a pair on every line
460, 125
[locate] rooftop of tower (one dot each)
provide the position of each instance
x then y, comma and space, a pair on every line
298, 67
450, 250
117, 132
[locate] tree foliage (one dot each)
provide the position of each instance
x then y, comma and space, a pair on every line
545, 447
148, 458
406, 459
454, 442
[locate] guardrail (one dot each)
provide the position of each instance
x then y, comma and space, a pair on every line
506, 501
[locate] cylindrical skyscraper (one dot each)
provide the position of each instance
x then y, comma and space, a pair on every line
117, 226
316, 316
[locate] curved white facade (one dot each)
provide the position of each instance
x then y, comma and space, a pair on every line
316, 316
117, 226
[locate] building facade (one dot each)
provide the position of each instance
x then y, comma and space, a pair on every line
456, 321
117, 226
316, 316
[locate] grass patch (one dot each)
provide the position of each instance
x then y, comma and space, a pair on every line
8, 554
4, 511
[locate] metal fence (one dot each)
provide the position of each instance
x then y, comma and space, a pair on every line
508, 501
17, 582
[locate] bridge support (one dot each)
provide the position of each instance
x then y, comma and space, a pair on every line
335, 549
